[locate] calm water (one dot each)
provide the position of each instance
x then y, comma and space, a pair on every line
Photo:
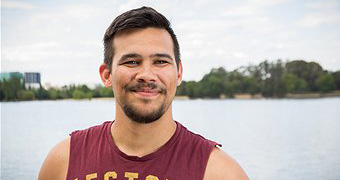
271, 139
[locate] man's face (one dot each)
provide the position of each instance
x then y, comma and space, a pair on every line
144, 73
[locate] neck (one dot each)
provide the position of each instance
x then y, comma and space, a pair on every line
137, 139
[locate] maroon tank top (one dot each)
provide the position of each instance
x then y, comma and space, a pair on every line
94, 155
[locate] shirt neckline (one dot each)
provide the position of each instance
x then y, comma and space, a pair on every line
158, 152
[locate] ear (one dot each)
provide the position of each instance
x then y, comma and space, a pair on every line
180, 73
105, 75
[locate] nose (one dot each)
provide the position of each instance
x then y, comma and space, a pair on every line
146, 74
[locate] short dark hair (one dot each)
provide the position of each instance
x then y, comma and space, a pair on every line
143, 17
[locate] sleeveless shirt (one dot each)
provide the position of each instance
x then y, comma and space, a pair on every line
94, 155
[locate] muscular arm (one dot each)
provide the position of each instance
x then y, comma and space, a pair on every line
56, 163
222, 167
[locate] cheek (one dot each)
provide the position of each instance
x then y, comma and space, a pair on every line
119, 79
169, 79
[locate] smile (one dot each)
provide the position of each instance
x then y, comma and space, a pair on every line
146, 92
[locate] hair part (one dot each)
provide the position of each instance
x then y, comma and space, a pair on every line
139, 18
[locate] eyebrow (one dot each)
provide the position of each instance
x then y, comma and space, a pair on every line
163, 55
135, 55
130, 55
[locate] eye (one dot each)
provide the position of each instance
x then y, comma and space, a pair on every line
132, 63
161, 62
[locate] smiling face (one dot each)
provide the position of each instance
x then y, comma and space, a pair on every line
144, 73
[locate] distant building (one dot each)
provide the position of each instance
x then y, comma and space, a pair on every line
32, 80
9, 75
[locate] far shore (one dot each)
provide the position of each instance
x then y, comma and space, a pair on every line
256, 96
287, 96
239, 96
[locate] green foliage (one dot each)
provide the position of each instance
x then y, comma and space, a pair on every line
190, 88
193, 89
25, 95
294, 84
53, 94
2, 93
250, 85
105, 92
101, 91
273, 83
308, 71
41, 93
271, 79
182, 89
14, 89
336, 77
10, 88
79, 94
325, 83
212, 83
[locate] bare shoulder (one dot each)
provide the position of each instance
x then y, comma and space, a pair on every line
56, 163
222, 167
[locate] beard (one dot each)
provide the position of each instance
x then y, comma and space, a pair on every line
141, 116
136, 116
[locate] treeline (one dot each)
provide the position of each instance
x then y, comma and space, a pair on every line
269, 79
14, 90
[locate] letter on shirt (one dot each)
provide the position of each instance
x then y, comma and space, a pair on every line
91, 176
131, 176
151, 177
110, 174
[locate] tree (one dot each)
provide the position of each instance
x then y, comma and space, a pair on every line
272, 76
193, 89
2, 93
325, 83
25, 95
309, 71
336, 77
53, 94
84, 88
41, 93
250, 85
11, 87
182, 89
212, 83
101, 91
78, 94
105, 92
256, 79
294, 84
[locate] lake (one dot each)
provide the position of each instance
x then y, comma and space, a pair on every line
271, 139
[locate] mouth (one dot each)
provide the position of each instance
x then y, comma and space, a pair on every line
146, 92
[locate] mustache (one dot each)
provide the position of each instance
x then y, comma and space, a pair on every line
141, 85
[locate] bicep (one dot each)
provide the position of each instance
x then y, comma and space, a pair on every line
222, 167
56, 163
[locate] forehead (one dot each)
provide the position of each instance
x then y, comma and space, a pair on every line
143, 41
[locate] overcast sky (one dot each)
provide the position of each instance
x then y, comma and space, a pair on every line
63, 39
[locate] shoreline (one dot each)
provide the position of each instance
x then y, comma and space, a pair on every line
288, 96
241, 96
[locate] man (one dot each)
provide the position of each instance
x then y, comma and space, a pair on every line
142, 65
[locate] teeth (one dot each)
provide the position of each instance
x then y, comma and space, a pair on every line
145, 90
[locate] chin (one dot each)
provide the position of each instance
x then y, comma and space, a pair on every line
144, 114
